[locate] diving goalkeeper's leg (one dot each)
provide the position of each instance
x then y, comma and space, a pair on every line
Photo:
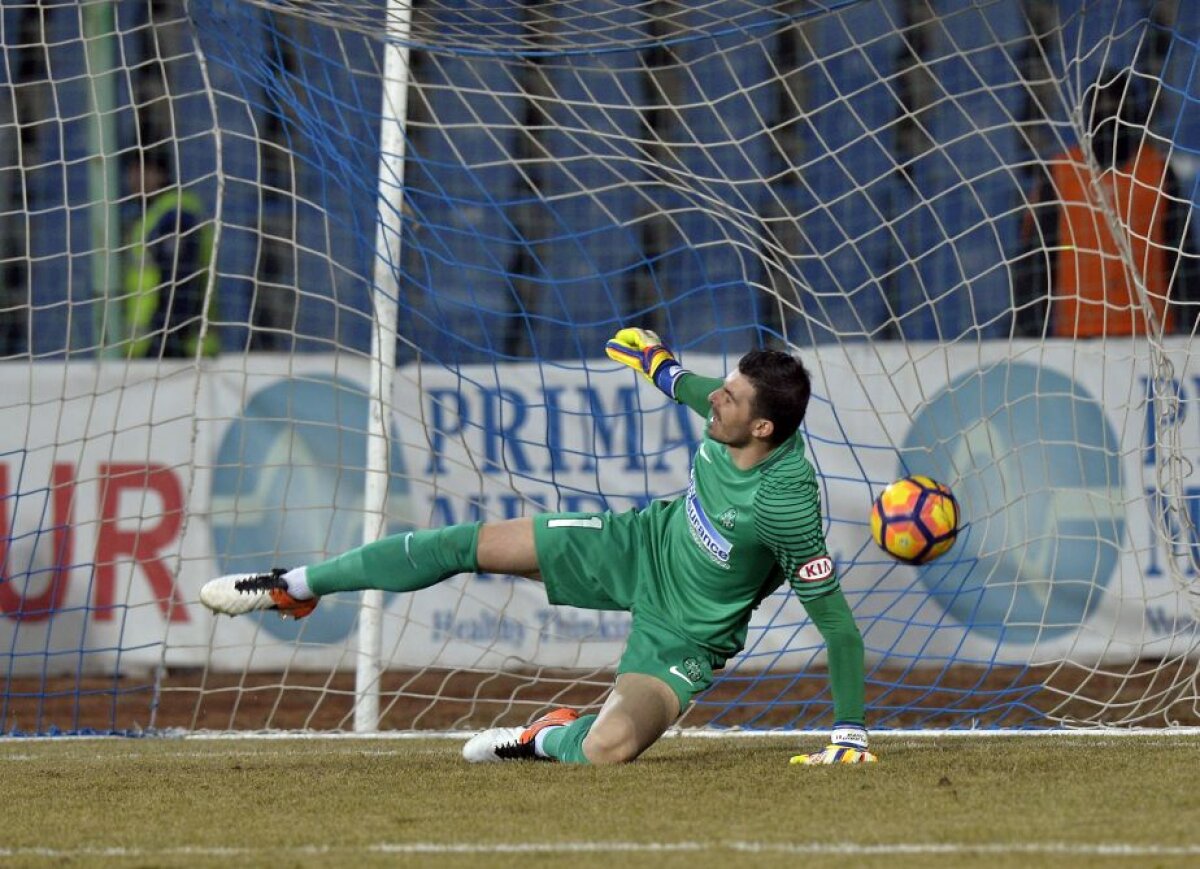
637, 712
403, 562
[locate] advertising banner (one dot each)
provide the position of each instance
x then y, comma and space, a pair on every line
125, 486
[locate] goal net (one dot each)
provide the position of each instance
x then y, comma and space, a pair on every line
234, 233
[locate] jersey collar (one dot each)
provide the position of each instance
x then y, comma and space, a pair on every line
792, 444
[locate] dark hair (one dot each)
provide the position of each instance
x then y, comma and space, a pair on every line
782, 388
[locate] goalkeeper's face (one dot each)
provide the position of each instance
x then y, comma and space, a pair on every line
732, 421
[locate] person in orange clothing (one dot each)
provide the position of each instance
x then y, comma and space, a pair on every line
1074, 278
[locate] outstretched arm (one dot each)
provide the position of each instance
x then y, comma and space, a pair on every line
848, 742
694, 390
787, 519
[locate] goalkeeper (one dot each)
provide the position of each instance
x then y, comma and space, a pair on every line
691, 570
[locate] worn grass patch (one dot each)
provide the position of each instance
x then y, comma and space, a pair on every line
1012, 801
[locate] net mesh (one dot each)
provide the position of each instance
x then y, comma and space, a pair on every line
972, 220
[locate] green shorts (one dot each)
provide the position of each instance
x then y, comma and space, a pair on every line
597, 561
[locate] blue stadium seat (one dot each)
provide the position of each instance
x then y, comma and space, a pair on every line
236, 69
458, 290
58, 235
585, 239
848, 184
707, 272
966, 230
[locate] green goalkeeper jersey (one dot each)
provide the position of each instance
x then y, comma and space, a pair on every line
735, 537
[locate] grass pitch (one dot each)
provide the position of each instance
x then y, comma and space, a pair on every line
1019, 801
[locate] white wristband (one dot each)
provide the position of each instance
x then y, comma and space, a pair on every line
852, 736
669, 386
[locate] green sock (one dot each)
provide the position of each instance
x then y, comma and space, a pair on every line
847, 681
402, 562
565, 744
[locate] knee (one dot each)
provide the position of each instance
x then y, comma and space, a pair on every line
613, 743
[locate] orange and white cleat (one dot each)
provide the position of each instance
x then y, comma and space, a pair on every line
513, 743
240, 593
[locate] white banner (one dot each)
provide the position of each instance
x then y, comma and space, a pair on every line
125, 486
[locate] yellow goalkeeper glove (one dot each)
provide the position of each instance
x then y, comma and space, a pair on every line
642, 350
847, 744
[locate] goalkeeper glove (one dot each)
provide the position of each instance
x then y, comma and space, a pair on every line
642, 350
847, 744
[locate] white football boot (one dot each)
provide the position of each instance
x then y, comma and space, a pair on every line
513, 743
240, 593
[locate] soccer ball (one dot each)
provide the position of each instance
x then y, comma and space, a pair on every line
915, 519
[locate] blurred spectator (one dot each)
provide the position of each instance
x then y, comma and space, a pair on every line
168, 251
1073, 269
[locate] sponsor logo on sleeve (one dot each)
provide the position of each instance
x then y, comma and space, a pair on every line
815, 570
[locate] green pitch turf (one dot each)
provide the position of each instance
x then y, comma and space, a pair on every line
945, 801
